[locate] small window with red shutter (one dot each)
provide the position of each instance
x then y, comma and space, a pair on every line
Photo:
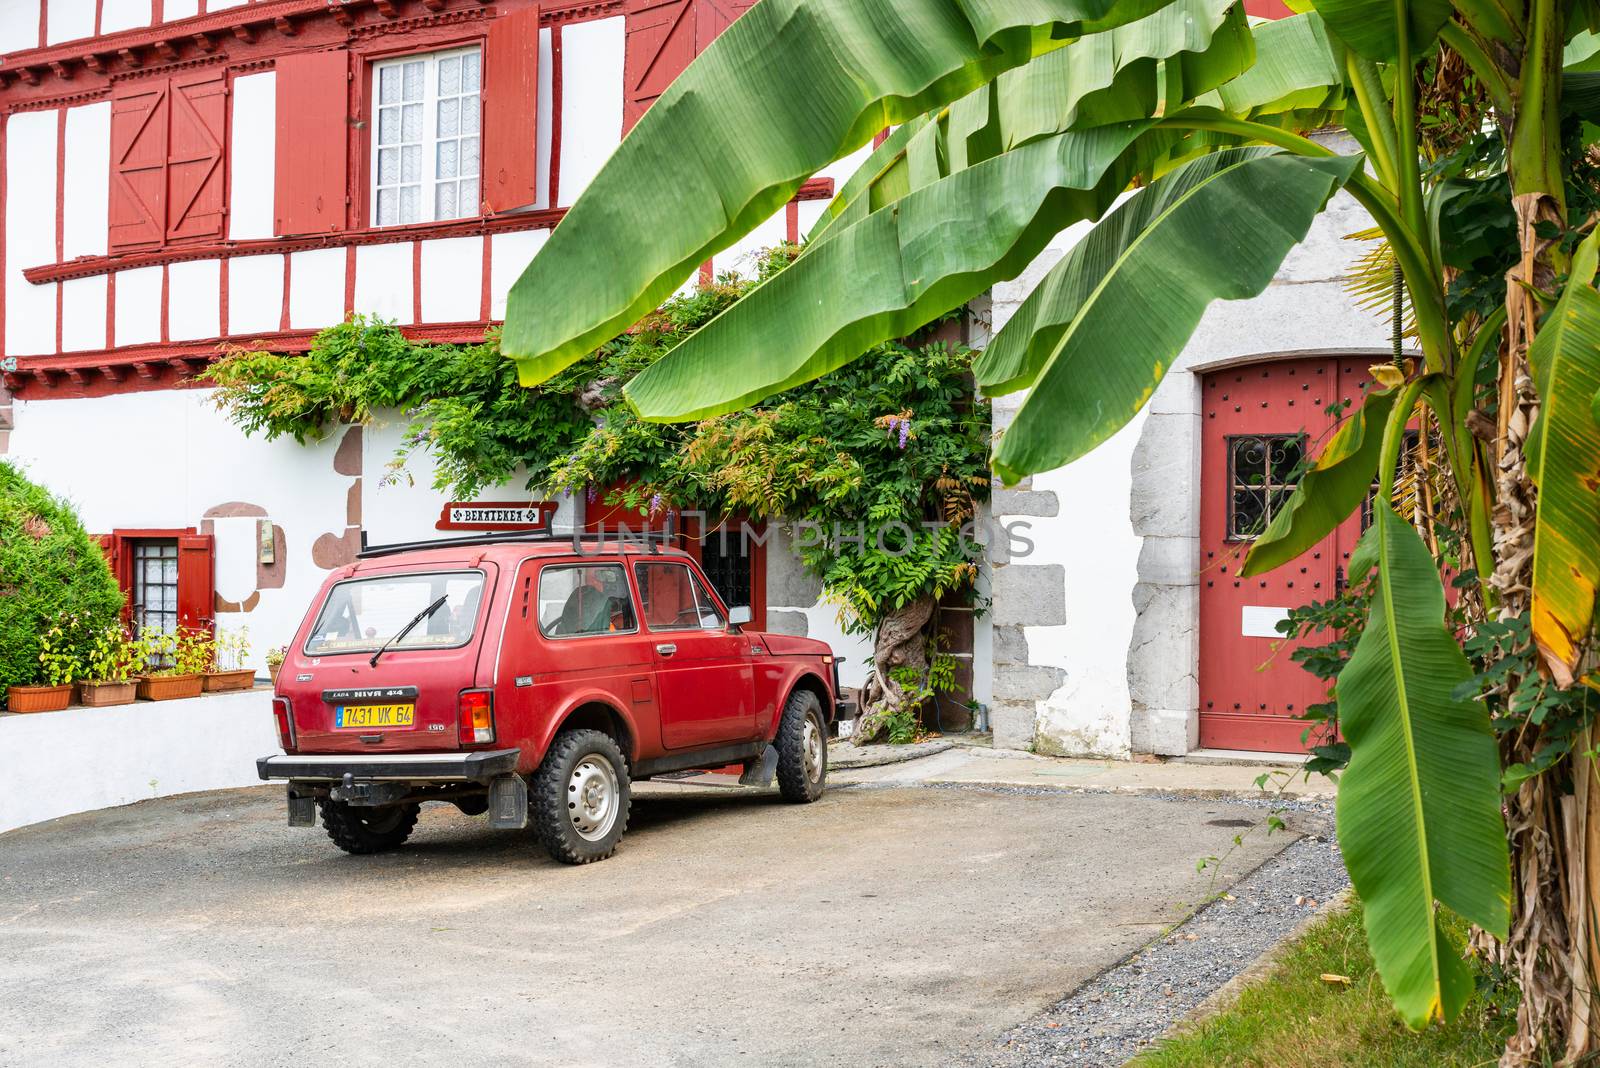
167, 577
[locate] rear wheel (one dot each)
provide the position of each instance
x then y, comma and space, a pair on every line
368, 830
802, 745
580, 796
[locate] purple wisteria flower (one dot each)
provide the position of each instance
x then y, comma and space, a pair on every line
655, 503
591, 494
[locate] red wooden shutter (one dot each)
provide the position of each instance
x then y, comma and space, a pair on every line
195, 172
313, 141
138, 209
195, 581
112, 545
715, 16
660, 43
511, 111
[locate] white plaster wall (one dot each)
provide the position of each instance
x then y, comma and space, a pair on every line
741, 255
19, 25
86, 188
172, 10
123, 15
251, 174
508, 255
316, 288
30, 230
452, 280
131, 753
218, 5
545, 134
255, 294
83, 314
194, 300
404, 506
591, 100
138, 313
383, 281
68, 20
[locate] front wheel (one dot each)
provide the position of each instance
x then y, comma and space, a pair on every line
802, 744
368, 830
580, 796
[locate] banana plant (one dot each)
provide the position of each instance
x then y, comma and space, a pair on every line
1181, 132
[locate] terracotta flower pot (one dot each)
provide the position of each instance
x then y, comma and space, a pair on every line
224, 681
272, 671
102, 694
38, 698
168, 687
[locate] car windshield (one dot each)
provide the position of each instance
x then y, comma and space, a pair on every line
361, 614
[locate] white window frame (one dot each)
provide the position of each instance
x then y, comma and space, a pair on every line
429, 179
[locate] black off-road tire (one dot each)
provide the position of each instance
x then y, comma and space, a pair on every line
554, 796
368, 830
801, 780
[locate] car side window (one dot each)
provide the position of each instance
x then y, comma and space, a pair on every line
674, 598
584, 599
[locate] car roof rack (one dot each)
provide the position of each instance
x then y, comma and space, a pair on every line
653, 539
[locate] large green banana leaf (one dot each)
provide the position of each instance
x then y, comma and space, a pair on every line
1561, 452
1419, 805
1298, 67
1372, 27
893, 272
1291, 67
735, 135
1334, 487
1128, 296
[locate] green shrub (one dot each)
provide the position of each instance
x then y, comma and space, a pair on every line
50, 571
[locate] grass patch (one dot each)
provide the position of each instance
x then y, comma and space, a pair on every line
1291, 1017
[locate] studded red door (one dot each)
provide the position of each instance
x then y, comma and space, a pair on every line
1257, 424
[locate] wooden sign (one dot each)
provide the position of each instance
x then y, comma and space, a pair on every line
496, 515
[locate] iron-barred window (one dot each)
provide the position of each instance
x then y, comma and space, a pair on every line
1263, 470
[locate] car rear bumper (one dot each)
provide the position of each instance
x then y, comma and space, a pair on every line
398, 767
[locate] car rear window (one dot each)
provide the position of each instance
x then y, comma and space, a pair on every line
360, 615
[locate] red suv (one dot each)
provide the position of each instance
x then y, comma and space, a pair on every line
534, 679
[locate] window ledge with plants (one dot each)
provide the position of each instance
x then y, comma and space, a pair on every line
62, 638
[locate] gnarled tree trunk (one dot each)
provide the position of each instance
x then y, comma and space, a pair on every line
900, 643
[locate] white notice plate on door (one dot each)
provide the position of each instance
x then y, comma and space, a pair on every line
1261, 622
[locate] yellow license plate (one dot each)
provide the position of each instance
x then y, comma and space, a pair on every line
374, 715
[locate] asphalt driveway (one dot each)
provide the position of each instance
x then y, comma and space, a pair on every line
880, 926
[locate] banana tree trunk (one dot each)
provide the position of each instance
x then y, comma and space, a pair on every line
900, 643
1553, 819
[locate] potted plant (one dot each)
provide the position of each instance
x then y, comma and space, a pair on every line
58, 668
112, 660
275, 658
226, 670
173, 663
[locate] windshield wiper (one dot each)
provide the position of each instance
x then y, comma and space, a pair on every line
418, 618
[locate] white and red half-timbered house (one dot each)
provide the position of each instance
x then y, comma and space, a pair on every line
179, 174
176, 175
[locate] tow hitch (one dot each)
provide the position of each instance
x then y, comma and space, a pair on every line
368, 794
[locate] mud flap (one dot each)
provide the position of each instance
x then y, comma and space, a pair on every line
761, 772
508, 803
302, 810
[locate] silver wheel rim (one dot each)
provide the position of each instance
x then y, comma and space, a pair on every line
813, 745
593, 798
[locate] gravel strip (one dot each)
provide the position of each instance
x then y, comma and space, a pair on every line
1121, 1011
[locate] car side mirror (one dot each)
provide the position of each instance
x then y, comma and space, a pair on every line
738, 617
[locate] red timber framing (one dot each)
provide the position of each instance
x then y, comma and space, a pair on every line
170, 89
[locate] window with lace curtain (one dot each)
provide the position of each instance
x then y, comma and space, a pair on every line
426, 141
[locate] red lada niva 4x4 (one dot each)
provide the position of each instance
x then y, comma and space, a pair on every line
534, 679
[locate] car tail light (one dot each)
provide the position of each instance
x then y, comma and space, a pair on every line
284, 715
476, 717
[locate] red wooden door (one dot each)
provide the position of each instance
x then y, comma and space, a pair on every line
1258, 423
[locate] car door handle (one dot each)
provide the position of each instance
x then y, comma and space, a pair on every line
666, 648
